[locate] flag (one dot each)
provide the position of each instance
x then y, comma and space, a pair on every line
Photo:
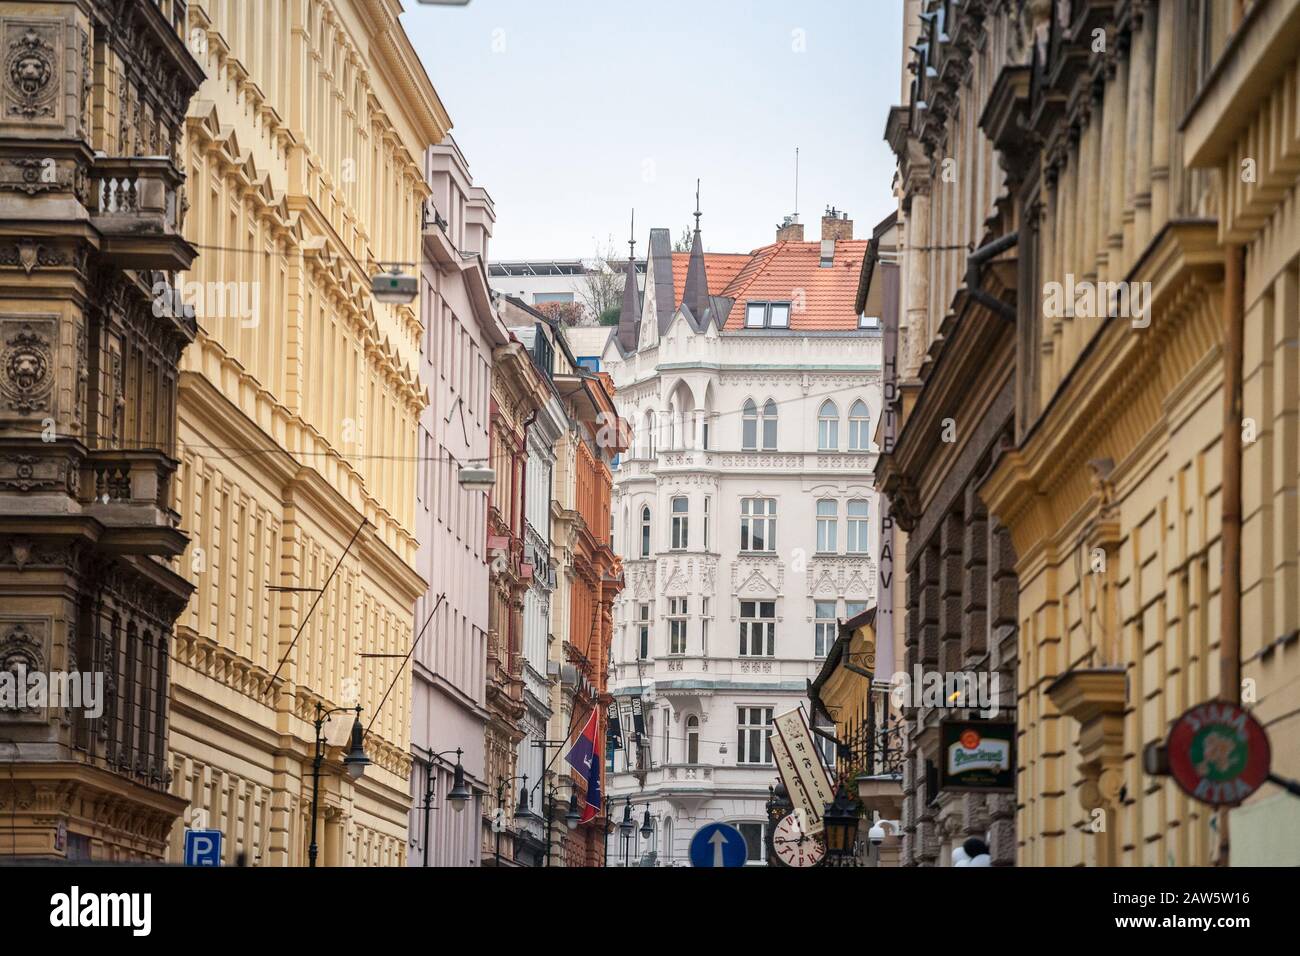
582, 756
593, 789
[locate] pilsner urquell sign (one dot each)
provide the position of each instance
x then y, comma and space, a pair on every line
977, 755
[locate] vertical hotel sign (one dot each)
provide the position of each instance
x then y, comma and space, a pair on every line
799, 762
888, 274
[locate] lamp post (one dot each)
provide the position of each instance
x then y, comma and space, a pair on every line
521, 808
457, 796
626, 827
840, 821
572, 816
355, 762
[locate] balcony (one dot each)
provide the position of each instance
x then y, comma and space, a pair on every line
136, 206
129, 493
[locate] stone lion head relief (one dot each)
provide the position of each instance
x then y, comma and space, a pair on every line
31, 62
26, 365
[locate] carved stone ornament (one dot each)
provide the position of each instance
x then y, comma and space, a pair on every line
21, 653
30, 64
26, 367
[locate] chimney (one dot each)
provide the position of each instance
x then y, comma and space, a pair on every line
836, 225
790, 230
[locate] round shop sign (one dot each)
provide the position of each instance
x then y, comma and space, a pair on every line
1218, 753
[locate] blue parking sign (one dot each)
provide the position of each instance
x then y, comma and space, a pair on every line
202, 847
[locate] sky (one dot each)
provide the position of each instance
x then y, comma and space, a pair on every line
573, 112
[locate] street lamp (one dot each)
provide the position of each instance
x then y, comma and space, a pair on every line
841, 824
626, 828
457, 796
574, 815
522, 808
647, 825
355, 762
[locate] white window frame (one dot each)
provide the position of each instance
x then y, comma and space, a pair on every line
677, 611
749, 425
645, 531
643, 632
859, 426
828, 524
750, 736
707, 519
758, 520
828, 427
759, 628
859, 524
825, 625
770, 418
679, 537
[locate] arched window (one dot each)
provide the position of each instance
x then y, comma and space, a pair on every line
749, 426
692, 739
668, 840
645, 532
828, 427
769, 426
650, 434
859, 427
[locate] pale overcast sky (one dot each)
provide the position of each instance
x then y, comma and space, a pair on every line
572, 112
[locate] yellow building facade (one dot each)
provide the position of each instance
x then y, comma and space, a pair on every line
298, 411
1141, 594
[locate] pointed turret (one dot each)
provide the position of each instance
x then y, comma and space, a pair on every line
629, 317
695, 296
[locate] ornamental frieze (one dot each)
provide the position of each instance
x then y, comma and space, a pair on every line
31, 81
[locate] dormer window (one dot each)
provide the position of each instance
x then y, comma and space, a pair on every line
767, 315
868, 321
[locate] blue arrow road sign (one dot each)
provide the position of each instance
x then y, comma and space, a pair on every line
202, 847
718, 844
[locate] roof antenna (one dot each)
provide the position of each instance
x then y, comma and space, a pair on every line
796, 184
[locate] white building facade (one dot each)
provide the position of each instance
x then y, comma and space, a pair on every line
745, 519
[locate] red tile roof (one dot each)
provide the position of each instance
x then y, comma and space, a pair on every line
720, 267
791, 272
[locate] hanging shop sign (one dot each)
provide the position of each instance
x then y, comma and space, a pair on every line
977, 756
799, 763
1218, 753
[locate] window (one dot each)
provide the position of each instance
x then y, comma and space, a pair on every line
666, 736
645, 532
704, 627
757, 628
828, 520
828, 427
868, 321
757, 524
680, 523
769, 426
677, 625
706, 438
749, 427
650, 435
643, 632
859, 427
858, 525
823, 628
692, 739
825, 746
754, 728
706, 523
773, 315
755, 842
853, 608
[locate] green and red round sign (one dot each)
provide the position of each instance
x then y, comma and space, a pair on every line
1218, 753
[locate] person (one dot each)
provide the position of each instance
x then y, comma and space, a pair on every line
974, 852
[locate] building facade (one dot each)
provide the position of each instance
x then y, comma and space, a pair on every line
93, 203
1091, 200
298, 427
449, 666
743, 516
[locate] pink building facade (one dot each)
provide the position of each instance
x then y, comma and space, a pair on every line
461, 329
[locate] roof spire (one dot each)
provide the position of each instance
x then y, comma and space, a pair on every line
629, 317
695, 296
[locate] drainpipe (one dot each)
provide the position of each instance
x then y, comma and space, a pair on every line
1234, 306
973, 264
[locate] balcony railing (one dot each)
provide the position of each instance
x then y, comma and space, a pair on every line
136, 206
